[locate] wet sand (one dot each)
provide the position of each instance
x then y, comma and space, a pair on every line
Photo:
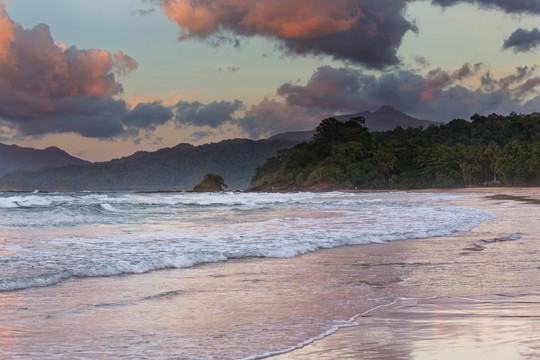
477, 294
495, 327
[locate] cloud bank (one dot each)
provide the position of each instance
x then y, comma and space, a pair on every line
360, 31
47, 87
438, 95
363, 32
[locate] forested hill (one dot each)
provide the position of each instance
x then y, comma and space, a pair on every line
481, 130
13, 157
177, 168
488, 150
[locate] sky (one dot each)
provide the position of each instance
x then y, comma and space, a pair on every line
103, 79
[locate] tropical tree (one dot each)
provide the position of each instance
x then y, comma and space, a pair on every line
492, 153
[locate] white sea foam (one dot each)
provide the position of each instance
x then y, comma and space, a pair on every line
109, 207
54, 237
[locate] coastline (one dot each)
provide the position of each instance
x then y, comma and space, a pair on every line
469, 295
254, 307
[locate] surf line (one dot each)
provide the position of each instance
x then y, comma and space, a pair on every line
345, 324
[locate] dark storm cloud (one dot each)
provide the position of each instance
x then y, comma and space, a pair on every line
361, 31
523, 40
212, 115
510, 6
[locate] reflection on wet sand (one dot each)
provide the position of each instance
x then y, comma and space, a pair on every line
496, 327
501, 258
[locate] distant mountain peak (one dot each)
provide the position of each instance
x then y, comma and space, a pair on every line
13, 158
384, 118
387, 118
387, 108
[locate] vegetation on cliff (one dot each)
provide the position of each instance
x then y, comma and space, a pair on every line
488, 150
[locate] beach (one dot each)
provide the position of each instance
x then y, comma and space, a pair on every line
473, 295
468, 295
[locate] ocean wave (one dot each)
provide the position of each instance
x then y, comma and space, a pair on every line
109, 207
92, 235
103, 269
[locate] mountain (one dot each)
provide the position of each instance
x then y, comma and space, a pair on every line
387, 118
294, 136
13, 158
177, 168
384, 119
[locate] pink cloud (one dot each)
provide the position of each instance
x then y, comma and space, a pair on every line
124, 64
300, 18
282, 18
528, 86
46, 87
34, 64
363, 31
428, 96
7, 31
438, 79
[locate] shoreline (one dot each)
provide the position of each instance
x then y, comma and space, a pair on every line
429, 302
282, 304
323, 189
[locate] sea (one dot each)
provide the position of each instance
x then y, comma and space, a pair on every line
195, 275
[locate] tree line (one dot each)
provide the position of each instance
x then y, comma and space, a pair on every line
486, 151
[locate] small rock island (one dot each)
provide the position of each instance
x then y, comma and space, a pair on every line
211, 183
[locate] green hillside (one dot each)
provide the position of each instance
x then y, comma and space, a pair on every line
488, 150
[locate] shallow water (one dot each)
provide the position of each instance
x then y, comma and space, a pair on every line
167, 297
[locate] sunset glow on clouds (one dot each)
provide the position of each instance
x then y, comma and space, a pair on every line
289, 64
47, 87
7, 32
362, 31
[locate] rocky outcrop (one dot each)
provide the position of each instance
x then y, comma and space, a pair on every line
210, 183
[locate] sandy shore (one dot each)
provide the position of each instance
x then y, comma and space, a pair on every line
477, 294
